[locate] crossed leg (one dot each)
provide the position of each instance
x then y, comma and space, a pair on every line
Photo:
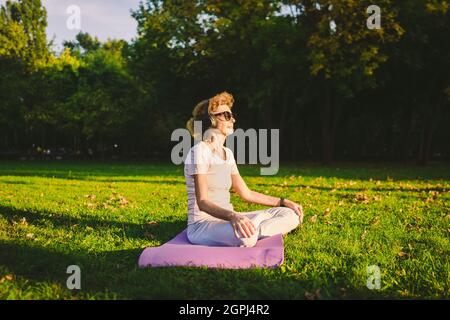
267, 223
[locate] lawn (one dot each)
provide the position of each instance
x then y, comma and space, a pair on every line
100, 216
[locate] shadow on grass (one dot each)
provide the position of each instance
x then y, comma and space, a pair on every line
122, 171
15, 182
367, 171
365, 188
161, 231
89, 178
117, 273
87, 169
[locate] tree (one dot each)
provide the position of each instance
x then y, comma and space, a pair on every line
102, 106
23, 35
344, 55
421, 64
23, 50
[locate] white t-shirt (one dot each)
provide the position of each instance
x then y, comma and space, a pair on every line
201, 160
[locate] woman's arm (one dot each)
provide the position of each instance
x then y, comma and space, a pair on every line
240, 187
239, 223
251, 196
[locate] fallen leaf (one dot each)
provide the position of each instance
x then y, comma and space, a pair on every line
363, 235
361, 197
149, 235
312, 295
8, 277
433, 194
23, 221
376, 220
309, 295
402, 254
313, 219
152, 223
327, 212
30, 235
123, 201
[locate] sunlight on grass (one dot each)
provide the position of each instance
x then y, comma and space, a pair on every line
101, 215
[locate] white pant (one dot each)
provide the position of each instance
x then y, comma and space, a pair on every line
267, 223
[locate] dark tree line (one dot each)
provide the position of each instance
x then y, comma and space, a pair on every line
336, 89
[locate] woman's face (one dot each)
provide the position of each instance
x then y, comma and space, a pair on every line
225, 126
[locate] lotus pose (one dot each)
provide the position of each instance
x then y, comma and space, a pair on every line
210, 171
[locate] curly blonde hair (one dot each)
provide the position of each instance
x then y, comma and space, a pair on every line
219, 99
202, 109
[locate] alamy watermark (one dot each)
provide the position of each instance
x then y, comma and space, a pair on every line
374, 20
74, 280
373, 277
258, 146
73, 22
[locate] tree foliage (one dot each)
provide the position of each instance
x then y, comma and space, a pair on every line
334, 88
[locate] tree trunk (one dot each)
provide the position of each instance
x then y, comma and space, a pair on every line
430, 125
16, 139
43, 137
284, 135
102, 149
329, 117
406, 134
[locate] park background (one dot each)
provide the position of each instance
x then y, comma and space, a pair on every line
85, 127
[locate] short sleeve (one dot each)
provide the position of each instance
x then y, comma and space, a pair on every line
197, 160
234, 169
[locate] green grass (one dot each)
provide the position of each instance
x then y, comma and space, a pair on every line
100, 216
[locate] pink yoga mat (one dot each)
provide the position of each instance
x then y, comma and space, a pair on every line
267, 253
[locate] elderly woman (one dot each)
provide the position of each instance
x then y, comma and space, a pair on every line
210, 171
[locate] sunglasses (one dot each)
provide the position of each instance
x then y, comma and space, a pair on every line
226, 114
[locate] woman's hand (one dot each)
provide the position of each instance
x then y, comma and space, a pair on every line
296, 207
243, 225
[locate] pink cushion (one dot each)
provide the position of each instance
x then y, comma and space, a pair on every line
267, 253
